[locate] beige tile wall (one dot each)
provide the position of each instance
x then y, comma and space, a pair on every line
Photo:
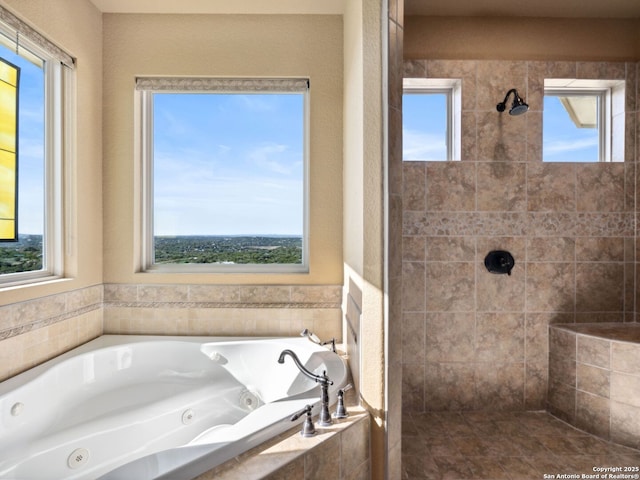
223, 309
34, 331
475, 340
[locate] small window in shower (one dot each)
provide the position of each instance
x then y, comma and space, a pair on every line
431, 119
583, 121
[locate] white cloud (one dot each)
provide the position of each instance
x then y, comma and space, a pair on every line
172, 123
422, 146
564, 146
32, 150
274, 158
255, 103
228, 205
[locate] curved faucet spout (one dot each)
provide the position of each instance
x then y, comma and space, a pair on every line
322, 379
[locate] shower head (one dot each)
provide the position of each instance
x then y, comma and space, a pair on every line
517, 108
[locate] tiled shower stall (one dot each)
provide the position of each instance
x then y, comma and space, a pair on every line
473, 340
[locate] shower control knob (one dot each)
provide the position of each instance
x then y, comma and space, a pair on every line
499, 261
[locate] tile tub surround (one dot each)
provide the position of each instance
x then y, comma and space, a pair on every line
239, 310
472, 340
338, 452
594, 379
31, 315
34, 331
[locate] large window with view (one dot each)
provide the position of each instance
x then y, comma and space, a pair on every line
33, 75
225, 166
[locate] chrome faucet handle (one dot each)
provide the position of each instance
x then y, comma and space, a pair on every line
308, 430
341, 410
331, 342
324, 379
297, 415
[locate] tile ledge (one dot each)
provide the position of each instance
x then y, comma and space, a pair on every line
278, 453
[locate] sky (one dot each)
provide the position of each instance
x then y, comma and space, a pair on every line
424, 131
424, 127
228, 164
563, 141
30, 144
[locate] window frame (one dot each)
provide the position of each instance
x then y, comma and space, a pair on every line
611, 101
59, 122
145, 88
452, 89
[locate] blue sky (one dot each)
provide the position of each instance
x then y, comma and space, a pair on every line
228, 164
424, 127
563, 141
30, 144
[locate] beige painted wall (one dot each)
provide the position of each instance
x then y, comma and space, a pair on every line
76, 26
353, 137
229, 45
494, 38
364, 209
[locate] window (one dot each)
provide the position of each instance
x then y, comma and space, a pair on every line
225, 175
31, 152
431, 119
583, 121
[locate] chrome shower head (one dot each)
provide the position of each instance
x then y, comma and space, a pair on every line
517, 108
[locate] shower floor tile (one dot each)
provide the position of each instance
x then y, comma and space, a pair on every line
510, 446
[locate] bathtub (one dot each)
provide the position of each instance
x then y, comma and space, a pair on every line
594, 378
143, 407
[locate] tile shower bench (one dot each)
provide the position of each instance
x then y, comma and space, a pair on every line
594, 379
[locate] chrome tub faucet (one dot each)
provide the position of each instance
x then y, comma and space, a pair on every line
323, 380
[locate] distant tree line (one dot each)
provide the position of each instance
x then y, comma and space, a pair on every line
25, 255
228, 249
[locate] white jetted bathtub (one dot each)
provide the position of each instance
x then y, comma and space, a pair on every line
140, 407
